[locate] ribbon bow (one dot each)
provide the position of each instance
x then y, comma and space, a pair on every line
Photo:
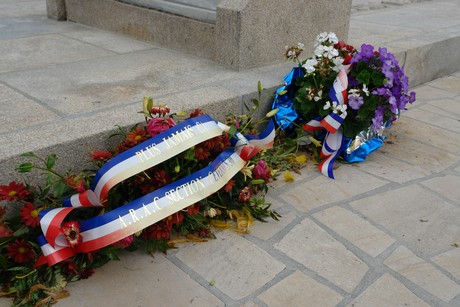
130, 218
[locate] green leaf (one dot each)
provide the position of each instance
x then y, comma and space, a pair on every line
51, 161
25, 167
364, 77
259, 87
3, 262
255, 102
28, 154
21, 231
232, 130
59, 188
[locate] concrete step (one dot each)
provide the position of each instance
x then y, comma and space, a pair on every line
64, 86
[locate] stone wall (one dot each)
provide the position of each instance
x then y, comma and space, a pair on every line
247, 33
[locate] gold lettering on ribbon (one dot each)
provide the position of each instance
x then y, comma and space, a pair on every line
179, 136
148, 152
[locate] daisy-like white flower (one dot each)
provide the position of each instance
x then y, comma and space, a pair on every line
310, 65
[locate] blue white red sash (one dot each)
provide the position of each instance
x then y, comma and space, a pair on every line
130, 218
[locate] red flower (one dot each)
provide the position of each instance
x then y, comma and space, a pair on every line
201, 152
101, 155
157, 231
72, 233
76, 183
4, 232
86, 273
174, 219
229, 185
21, 251
162, 178
13, 191
245, 195
135, 137
125, 242
29, 215
160, 110
159, 124
195, 113
193, 209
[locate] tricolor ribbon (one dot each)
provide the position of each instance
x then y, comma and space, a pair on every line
332, 145
130, 218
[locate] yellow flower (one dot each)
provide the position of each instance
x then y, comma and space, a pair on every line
288, 176
247, 170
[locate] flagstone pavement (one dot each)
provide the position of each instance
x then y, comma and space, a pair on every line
385, 232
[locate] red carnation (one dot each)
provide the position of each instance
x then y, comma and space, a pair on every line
29, 215
21, 251
193, 209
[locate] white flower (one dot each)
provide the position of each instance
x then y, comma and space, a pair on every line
332, 38
310, 65
327, 105
300, 46
319, 51
317, 98
321, 38
330, 52
338, 64
211, 212
353, 92
342, 108
365, 90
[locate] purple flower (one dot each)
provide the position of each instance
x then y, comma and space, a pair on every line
412, 97
377, 121
393, 104
367, 51
355, 101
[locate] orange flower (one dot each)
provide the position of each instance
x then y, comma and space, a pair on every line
76, 183
101, 155
193, 209
29, 215
229, 185
135, 137
13, 191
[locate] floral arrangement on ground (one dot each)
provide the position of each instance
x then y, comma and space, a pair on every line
36, 274
344, 97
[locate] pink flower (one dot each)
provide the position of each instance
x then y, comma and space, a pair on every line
261, 171
159, 124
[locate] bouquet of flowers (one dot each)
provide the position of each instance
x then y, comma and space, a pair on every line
355, 92
240, 200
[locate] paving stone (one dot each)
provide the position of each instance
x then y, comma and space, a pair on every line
449, 83
310, 245
380, 164
446, 185
428, 157
250, 304
265, 231
300, 290
355, 229
415, 215
387, 291
19, 8
422, 273
321, 190
424, 113
450, 261
139, 280
110, 41
237, 266
447, 108
16, 108
428, 93
438, 137
40, 51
